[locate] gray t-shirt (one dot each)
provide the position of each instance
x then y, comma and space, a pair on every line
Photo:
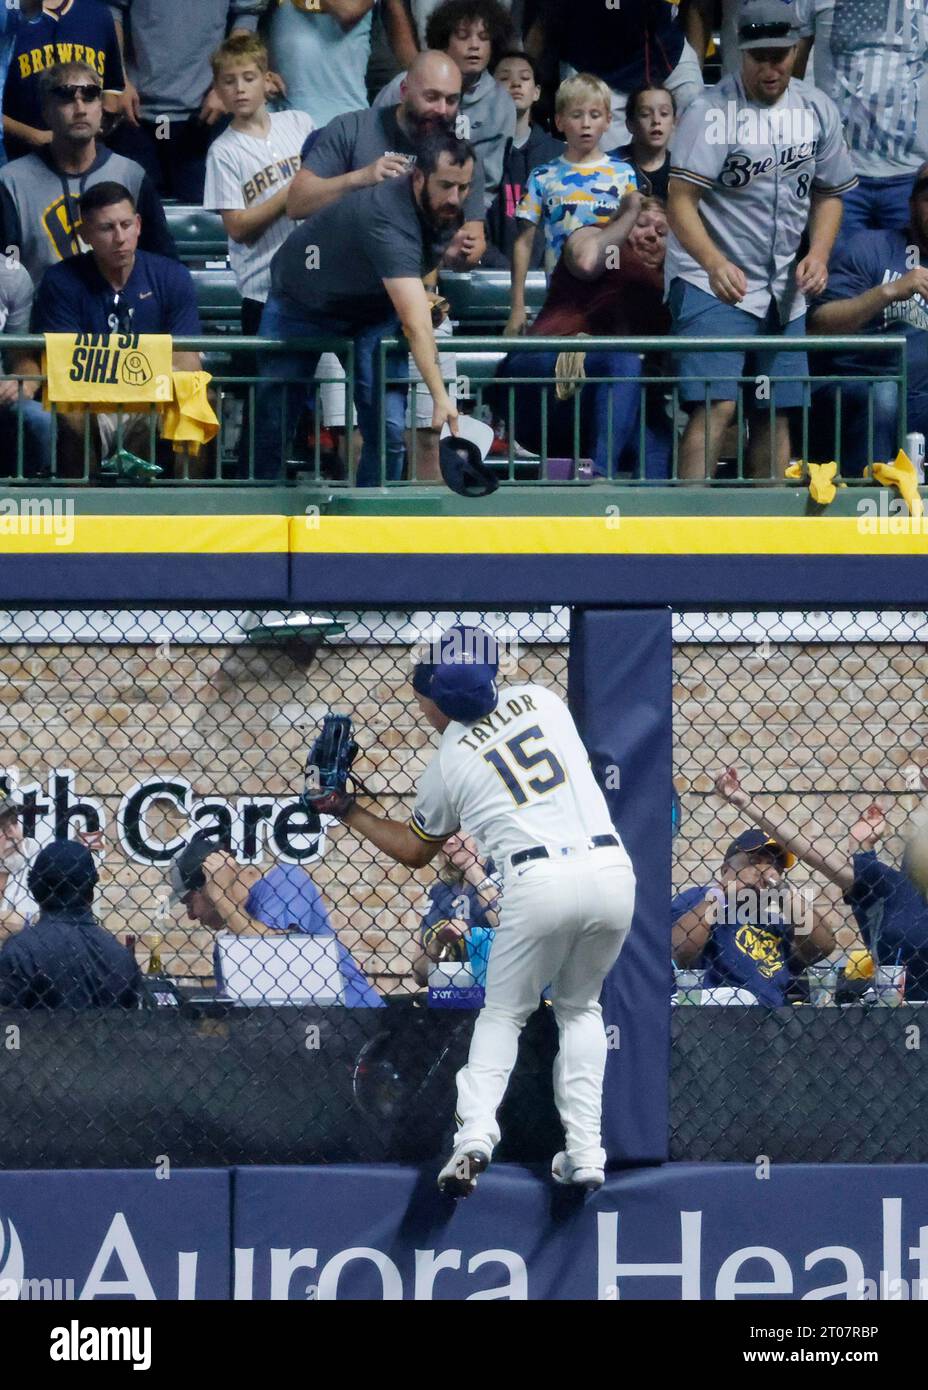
168, 44
487, 118
334, 264
359, 138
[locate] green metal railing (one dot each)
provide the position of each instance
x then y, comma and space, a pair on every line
523, 405
498, 396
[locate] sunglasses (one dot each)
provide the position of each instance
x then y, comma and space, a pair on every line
87, 91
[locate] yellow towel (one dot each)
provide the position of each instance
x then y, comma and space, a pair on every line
901, 475
104, 370
821, 478
189, 419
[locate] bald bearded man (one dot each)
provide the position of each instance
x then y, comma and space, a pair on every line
366, 147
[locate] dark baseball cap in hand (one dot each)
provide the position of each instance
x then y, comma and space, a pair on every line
767, 24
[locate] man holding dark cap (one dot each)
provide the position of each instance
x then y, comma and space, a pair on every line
227, 896
757, 161
512, 771
749, 930
65, 959
878, 283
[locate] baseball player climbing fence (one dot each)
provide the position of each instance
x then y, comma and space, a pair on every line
215, 969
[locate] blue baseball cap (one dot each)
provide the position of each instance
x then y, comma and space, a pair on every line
461, 677
63, 876
753, 841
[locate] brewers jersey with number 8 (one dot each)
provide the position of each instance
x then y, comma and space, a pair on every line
517, 778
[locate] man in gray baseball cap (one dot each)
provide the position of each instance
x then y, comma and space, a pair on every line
758, 161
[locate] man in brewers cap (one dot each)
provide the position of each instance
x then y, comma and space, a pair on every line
511, 770
749, 929
227, 896
757, 161
64, 958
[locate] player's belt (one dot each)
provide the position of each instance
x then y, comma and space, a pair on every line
539, 851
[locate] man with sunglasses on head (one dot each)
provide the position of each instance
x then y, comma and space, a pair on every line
40, 194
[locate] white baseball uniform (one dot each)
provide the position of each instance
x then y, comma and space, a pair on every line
520, 779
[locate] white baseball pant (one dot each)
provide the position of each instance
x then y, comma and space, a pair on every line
563, 922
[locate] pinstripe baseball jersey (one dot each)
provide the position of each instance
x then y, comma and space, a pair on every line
757, 167
517, 778
880, 54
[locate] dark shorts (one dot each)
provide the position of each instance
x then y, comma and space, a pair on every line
714, 376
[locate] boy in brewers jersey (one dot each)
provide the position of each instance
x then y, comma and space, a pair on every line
249, 169
511, 771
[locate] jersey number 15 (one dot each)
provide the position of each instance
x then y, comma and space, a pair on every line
527, 761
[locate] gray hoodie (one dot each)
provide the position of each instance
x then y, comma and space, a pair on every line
168, 45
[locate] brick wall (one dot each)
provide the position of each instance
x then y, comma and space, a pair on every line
233, 721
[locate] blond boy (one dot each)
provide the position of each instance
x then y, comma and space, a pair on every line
250, 167
582, 188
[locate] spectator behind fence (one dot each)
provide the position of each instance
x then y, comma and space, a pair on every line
531, 146
889, 910
879, 52
117, 288
878, 283
40, 194
49, 34
628, 45
472, 33
223, 895
650, 115
738, 209
65, 959
16, 902
748, 930
581, 188
355, 270
171, 112
608, 283
462, 915
18, 399
249, 169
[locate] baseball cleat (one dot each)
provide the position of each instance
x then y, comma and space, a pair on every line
459, 1176
564, 1172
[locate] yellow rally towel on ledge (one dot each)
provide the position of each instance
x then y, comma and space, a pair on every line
103, 370
100, 371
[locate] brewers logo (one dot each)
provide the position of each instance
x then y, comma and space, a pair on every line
764, 948
109, 359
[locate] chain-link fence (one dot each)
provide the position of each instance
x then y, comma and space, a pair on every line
801, 763
278, 990
286, 994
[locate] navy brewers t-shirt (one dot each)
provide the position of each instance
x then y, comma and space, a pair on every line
893, 919
742, 955
158, 297
864, 261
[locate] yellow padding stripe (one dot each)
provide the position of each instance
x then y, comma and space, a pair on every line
611, 534
25, 532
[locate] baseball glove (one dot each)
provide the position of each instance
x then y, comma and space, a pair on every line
328, 768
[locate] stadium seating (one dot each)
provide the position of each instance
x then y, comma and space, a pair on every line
199, 235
